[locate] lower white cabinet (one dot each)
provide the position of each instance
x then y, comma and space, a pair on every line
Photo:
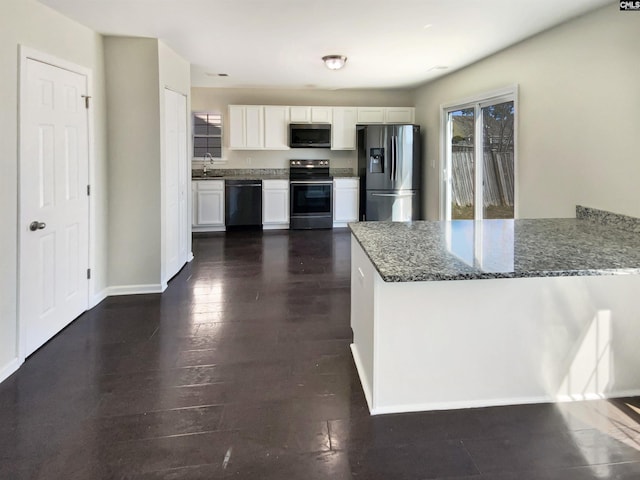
345, 201
275, 204
208, 205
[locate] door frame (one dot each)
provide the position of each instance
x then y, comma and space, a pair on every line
25, 54
507, 93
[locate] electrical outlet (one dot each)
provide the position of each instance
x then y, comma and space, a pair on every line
248, 160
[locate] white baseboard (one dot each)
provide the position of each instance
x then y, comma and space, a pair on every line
597, 396
431, 406
9, 369
425, 407
368, 390
208, 229
276, 226
97, 297
190, 257
136, 289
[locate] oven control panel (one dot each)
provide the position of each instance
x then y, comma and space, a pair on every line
309, 163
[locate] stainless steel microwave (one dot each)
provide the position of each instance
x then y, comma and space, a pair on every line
310, 135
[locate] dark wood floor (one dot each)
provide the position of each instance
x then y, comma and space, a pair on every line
242, 369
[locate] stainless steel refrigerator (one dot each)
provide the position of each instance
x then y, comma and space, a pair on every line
389, 169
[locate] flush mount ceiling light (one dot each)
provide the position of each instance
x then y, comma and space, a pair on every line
334, 62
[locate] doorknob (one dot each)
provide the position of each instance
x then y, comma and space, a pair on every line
33, 226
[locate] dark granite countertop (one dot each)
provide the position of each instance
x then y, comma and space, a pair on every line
468, 250
343, 173
242, 174
259, 174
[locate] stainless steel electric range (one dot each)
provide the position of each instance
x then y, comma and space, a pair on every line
311, 194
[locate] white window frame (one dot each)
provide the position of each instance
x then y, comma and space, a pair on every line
222, 158
477, 102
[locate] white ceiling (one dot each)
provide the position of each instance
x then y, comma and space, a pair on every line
279, 43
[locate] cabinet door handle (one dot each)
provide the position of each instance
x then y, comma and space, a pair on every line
412, 194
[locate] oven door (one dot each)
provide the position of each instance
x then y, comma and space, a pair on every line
311, 204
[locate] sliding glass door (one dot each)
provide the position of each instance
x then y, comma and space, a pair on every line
461, 152
479, 167
498, 151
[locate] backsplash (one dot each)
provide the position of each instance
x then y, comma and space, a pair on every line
623, 222
245, 159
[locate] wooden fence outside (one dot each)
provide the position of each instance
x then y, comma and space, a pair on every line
498, 177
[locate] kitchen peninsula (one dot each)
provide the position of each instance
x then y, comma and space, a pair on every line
468, 314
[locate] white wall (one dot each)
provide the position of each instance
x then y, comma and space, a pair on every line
134, 160
137, 71
578, 115
28, 23
218, 100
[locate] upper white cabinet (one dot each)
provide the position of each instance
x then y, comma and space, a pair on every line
266, 127
343, 130
321, 114
345, 201
300, 114
368, 115
276, 128
310, 114
246, 127
399, 115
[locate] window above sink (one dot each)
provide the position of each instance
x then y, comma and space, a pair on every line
207, 136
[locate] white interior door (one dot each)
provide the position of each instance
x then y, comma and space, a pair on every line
54, 204
177, 225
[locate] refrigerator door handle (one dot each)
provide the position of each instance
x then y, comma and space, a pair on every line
391, 158
392, 161
410, 194
395, 157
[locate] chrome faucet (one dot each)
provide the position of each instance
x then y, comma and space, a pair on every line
209, 157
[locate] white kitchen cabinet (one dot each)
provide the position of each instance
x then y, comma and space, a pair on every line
246, 127
345, 201
343, 130
276, 128
300, 114
310, 114
266, 127
371, 115
208, 205
399, 115
321, 115
368, 115
275, 204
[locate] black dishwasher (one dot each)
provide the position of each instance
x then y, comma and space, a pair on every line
243, 203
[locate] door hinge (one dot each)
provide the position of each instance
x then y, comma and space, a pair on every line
88, 190
86, 101
88, 274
